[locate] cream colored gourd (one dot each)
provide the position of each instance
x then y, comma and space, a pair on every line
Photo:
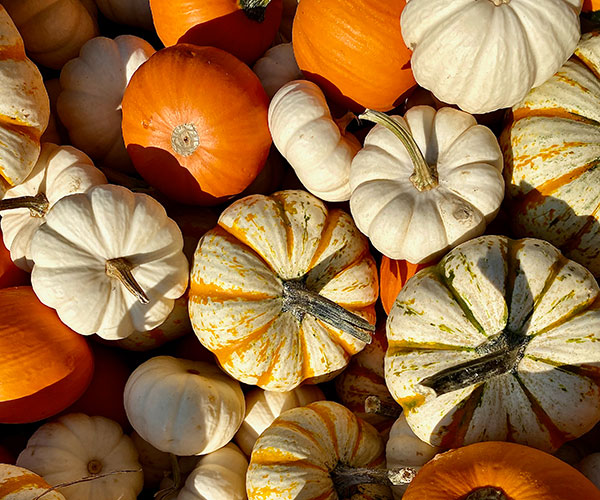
488, 54
497, 342
183, 407
129, 12
277, 67
109, 261
317, 147
77, 446
93, 85
59, 172
415, 204
262, 407
18, 483
156, 464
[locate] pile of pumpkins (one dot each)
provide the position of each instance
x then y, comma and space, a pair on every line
299, 249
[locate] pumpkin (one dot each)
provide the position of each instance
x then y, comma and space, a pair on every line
59, 172
501, 471
282, 290
355, 53
307, 452
497, 342
262, 407
183, 407
130, 12
551, 147
244, 28
424, 183
185, 132
317, 147
44, 366
276, 68
456, 47
93, 85
18, 483
24, 107
76, 446
109, 261
10, 275
590, 6
53, 30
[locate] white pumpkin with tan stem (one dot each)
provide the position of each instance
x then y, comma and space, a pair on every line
317, 147
486, 55
77, 446
424, 183
109, 261
59, 171
93, 85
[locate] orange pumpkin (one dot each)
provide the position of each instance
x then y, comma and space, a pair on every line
590, 5
393, 274
500, 471
195, 123
354, 51
44, 365
10, 275
244, 28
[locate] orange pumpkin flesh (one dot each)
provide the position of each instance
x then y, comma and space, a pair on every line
195, 124
393, 275
354, 51
519, 472
244, 28
44, 365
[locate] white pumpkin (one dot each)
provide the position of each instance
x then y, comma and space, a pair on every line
424, 183
59, 172
262, 407
129, 12
317, 147
77, 446
486, 55
277, 67
18, 483
109, 261
183, 407
89, 104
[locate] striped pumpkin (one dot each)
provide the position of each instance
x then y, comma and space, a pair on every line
551, 149
17, 483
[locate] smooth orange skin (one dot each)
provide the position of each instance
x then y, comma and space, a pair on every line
44, 365
218, 23
590, 5
393, 275
354, 51
225, 102
10, 275
521, 472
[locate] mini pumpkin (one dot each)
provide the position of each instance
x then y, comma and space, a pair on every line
277, 67
18, 483
393, 275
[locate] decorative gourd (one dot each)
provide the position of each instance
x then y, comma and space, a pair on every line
44, 366
589, 466
457, 46
551, 148
59, 172
129, 12
262, 407
53, 30
499, 471
354, 52
317, 147
184, 142
424, 183
93, 85
17, 483
308, 452
393, 275
277, 67
24, 108
183, 407
76, 446
282, 290
499, 341
244, 28
109, 261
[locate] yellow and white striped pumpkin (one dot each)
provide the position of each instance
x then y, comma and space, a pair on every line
18, 483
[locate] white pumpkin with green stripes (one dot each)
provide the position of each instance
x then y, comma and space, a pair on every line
499, 341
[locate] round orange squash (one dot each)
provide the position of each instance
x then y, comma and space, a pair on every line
354, 51
44, 365
10, 275
195, 123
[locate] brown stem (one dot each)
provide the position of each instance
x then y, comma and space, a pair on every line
487, 493
94, 467
345, 478
298, 300
255, 9
167, 493
38, 205
120, 268
374, 405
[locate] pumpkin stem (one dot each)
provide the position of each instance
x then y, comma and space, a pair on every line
185, 139
120, 268
343, 122
424, 176
374, 405
38, 205
255, 9
171, 491
299, 300
487, 493
345, 478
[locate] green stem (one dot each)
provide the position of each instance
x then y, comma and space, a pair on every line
38, 205
120, 268
424, 176
255, 9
